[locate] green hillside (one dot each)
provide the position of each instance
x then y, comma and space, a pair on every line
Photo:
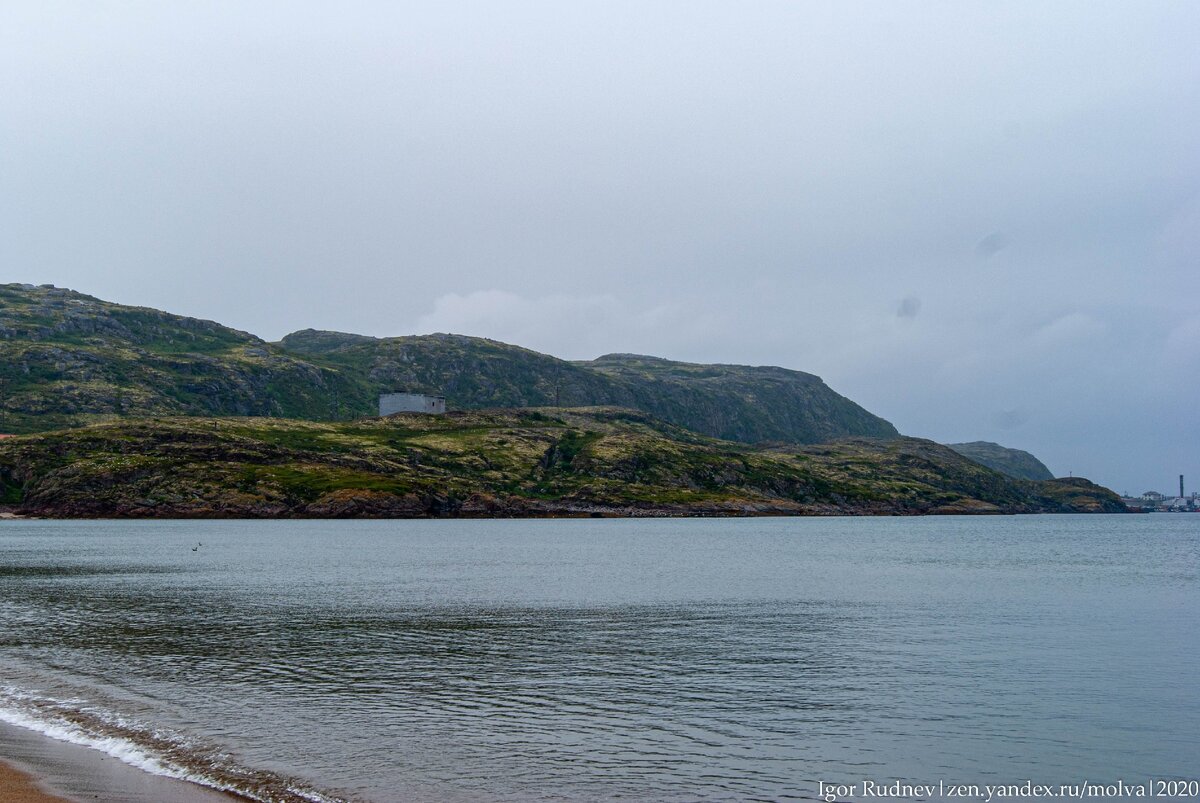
471, 372
68, 359
734, 402
740, 402
553, 461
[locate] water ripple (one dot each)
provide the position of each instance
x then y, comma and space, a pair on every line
587, 661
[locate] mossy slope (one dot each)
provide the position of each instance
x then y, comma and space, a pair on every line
602, 461
67, 359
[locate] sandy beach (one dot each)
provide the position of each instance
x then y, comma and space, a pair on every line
19, 787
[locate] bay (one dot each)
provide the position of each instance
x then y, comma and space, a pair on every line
675, 659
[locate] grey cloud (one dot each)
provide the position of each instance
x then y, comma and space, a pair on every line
909, 307
992, 244
1009, 419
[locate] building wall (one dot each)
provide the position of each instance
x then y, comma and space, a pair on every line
411, 403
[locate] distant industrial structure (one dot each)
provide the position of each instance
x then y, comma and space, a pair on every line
411, 403
1153, 500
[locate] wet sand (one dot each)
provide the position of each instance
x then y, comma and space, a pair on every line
37, 769
19, 787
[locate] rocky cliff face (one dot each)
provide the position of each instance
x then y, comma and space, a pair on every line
741, 402
1013, 462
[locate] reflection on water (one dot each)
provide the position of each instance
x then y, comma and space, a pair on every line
601, 659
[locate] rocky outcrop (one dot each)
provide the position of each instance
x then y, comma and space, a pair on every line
1013, 462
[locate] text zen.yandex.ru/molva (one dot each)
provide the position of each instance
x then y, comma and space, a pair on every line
1024, 790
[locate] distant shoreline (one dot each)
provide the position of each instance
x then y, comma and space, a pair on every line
534, 516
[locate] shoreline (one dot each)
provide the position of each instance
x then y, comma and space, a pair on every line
35, 768
533, 513
18, 786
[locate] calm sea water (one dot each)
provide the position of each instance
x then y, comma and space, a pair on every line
602, 659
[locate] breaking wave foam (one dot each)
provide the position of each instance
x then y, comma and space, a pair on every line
150, 749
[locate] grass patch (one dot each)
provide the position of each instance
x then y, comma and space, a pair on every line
309, 483
11, 494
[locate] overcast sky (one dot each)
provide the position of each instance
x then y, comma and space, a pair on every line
978, 220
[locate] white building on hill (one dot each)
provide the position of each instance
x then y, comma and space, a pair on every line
411, 403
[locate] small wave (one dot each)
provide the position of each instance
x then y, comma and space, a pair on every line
150, 749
